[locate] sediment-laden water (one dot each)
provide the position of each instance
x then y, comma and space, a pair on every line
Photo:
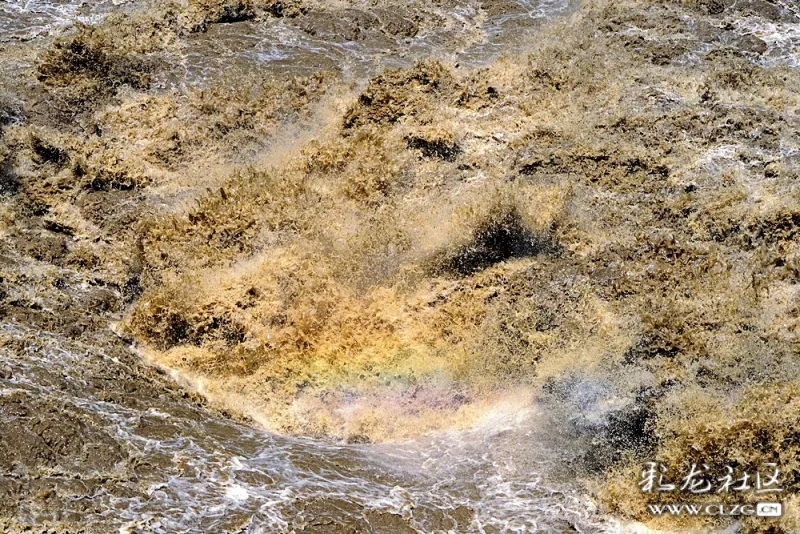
155, 462
392, 267
103, 444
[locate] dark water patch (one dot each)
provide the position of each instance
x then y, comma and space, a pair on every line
434, 148
502, 239
48, 152
9, 183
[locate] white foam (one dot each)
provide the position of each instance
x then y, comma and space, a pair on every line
237, 493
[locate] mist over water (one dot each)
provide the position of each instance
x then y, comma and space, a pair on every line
226, 230
173, 466
189, 470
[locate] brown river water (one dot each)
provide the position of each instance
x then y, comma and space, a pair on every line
94, 439
106, 444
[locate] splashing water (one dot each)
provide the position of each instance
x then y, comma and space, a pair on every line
169, 465
194, 471
154, 459
28, 19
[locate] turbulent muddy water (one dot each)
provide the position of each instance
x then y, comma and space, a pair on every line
489, 284
106, 444
24, 20
154, 463
308, 44
466, 35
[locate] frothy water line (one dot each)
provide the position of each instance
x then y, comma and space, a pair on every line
28, 19
210, 470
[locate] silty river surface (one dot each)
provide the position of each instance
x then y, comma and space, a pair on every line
154, 459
